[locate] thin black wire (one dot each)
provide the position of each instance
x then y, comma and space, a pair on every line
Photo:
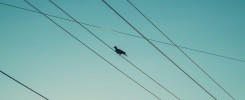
23, 85
126, 33
160, 51
181, 50
93, 51
113, 50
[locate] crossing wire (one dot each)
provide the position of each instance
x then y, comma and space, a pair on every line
93, 50
181, 50
102, 28
23, 85
159, 50
113, 51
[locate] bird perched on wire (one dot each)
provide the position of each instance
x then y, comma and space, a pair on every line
118, 51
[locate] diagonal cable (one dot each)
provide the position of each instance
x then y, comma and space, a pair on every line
160, 51
113, 50
93, 51
23, 85
102, 28
181, 50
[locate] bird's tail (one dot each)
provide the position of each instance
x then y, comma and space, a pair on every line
125, 54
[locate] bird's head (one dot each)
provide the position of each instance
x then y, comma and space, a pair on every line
115, 47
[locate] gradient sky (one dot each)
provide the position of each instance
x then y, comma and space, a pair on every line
38, 53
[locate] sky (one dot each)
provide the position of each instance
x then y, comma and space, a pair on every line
42, 56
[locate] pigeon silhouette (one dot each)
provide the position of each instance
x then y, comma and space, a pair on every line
118, 51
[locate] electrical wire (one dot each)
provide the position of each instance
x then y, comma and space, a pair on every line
113, 51
181, 50
23, 85
93, 51
102, 28
159, 50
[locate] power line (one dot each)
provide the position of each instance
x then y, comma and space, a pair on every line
181, 50
93, 51
113, 50
23, 85
160, 50
102, 28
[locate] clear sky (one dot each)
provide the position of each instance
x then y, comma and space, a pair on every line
42, 56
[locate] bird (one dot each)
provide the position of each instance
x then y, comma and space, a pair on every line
119, 51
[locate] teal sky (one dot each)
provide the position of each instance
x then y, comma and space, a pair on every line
39, 54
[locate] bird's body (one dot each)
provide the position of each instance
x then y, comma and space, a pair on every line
118, 51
